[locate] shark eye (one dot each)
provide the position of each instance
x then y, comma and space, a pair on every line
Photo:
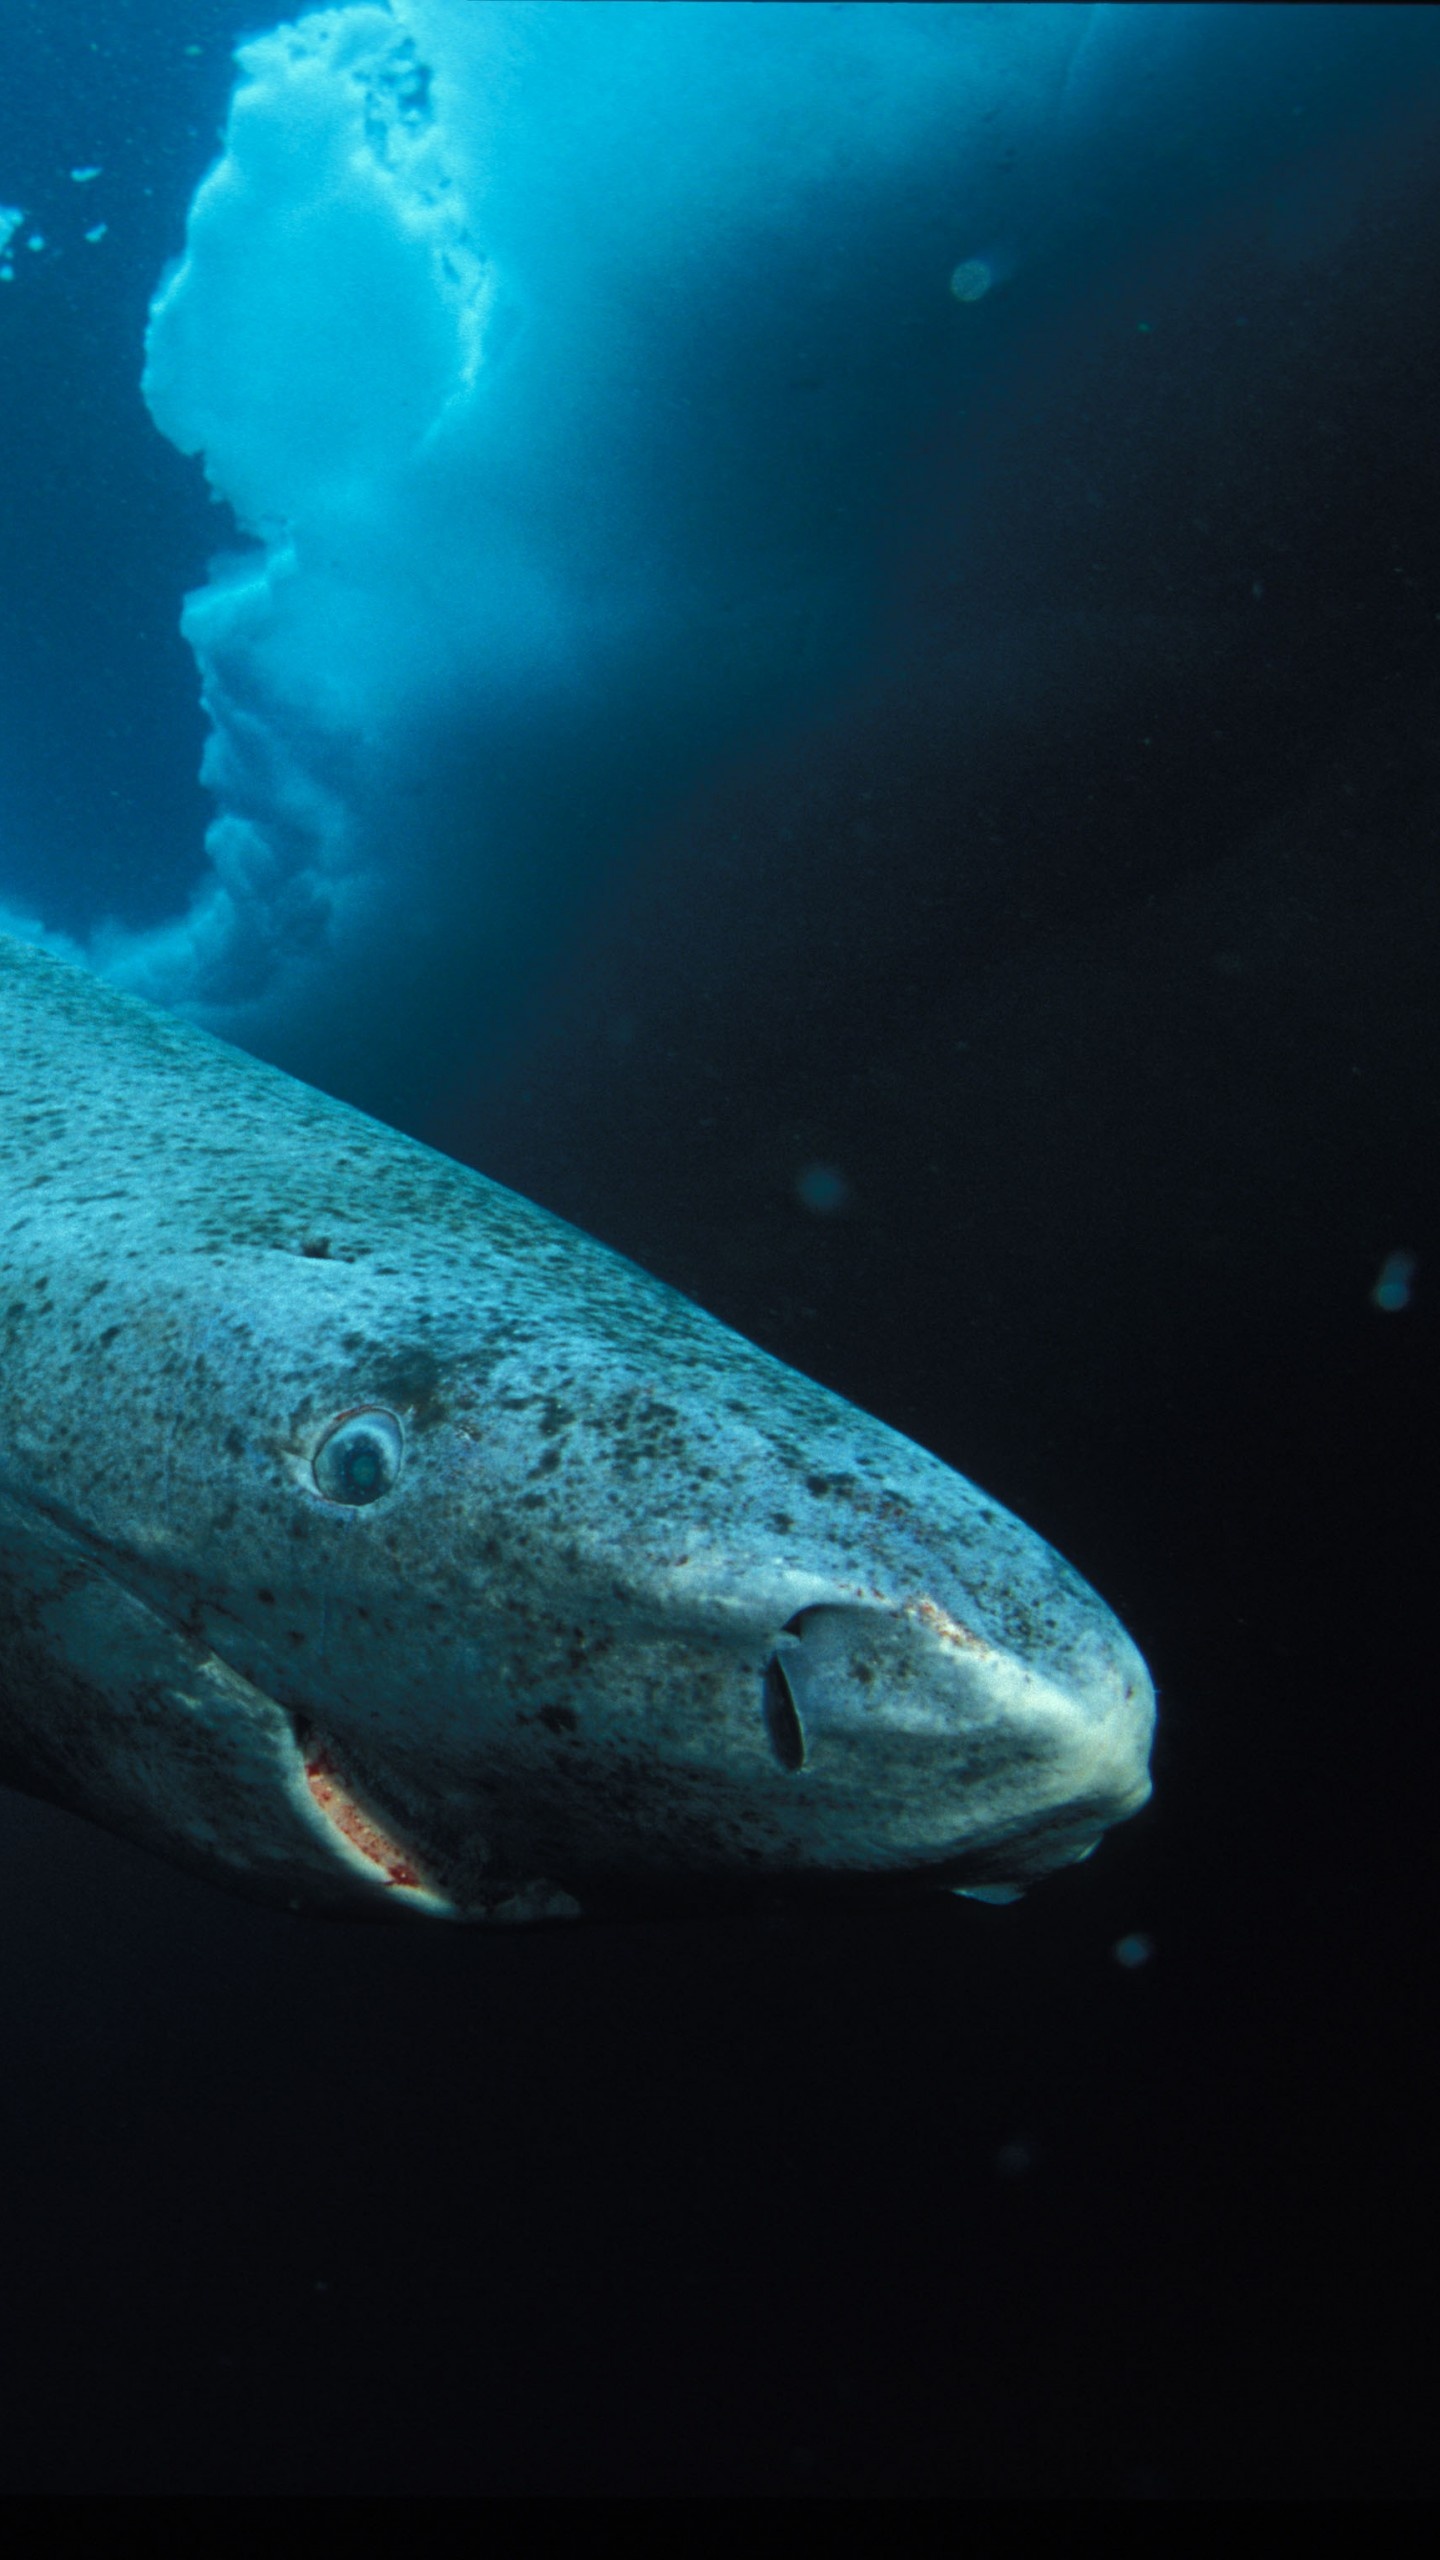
360, 1457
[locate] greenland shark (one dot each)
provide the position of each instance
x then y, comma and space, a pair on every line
370, 1539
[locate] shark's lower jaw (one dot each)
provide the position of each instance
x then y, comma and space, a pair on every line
353, 1832
398, 1876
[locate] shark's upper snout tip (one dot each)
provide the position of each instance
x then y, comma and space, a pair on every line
930, 1746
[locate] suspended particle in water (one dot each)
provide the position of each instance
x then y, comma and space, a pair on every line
1133, 1951
984, 270
822, 1190
1392, 1289
972, 279
1014, 2158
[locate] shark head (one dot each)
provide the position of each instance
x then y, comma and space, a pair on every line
371, 1539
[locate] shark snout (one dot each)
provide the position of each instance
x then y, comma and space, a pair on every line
942, 1745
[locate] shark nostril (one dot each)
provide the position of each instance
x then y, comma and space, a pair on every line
784, 1731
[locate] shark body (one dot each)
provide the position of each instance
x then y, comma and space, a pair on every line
371, 1539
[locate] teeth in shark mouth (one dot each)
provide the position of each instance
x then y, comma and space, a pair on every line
360, 1831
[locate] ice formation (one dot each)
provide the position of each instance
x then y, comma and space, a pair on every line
561, 365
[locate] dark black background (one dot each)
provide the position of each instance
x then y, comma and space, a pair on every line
1093, 942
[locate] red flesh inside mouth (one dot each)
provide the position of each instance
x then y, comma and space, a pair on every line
361, 1830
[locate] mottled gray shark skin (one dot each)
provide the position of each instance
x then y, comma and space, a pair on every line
372, 1540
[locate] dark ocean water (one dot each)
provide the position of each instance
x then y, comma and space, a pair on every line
1087, 934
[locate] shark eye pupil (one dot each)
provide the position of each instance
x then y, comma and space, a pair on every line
359, 1459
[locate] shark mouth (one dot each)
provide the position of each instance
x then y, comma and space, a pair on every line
357, 1836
